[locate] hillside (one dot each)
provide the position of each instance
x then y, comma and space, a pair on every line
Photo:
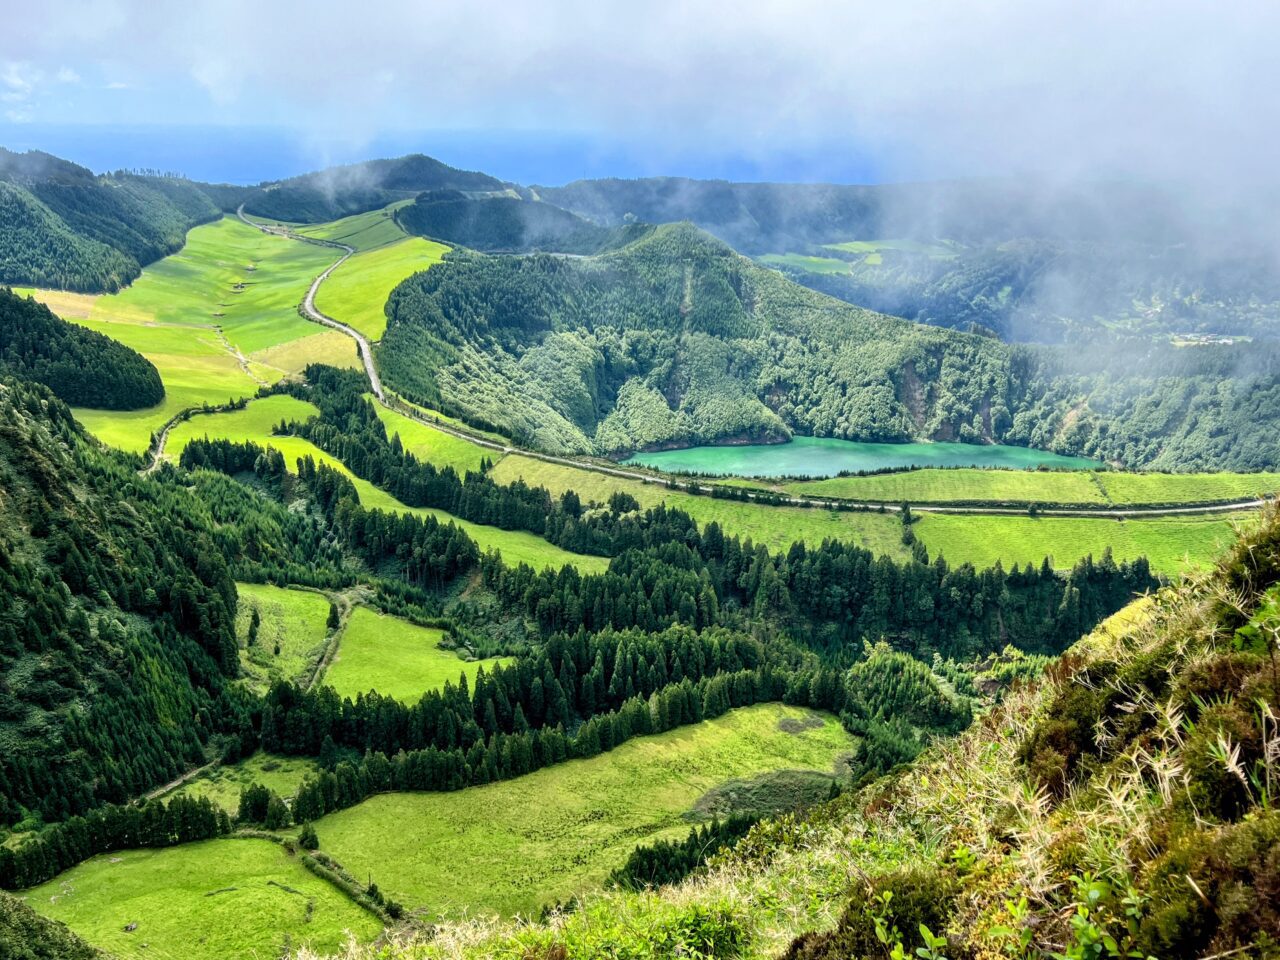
1035, 261
508, 225
675, 340
338, 192
65, 227
672, 340
1121, 806
82, 367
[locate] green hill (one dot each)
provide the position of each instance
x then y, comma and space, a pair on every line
356, 188
675, 340
508, 225
63, 226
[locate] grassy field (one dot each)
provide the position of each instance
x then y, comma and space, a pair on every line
222, 785
254, 423
202, 901
1086, 488
396, 658
292, 621
1165, 541
871, 250
775, 527
512, 846
799, 261
433, 446
357, 291
364, 231
217, 319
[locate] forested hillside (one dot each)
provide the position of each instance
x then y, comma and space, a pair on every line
342, 191
82, 367
674, 340
508, 225
67, 228
1037, 262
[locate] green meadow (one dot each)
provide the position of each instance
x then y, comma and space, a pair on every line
363, 231
434, 446
1167, 542
202, 901
254, 423
513, 846
799, 261
218, 319
357, 292
222, 784
1073, 487
396, 658
775, 527
291, 632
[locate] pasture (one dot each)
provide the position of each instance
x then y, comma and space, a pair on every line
396, 658
434, 446
202, 901
1167, 542
512, 846
1071, 487
356, 293
222, 784
218, 319
364, 231
799, 261
290, 637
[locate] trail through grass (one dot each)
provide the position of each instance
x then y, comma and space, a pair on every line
515, 845
356, 293
396, 658
202, 901
222, 785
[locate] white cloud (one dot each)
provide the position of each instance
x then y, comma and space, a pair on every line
67, 75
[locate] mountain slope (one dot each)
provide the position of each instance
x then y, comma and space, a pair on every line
63, 226
675, 339
508, 225
338, 192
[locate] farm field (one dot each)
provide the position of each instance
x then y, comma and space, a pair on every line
202, 901
222, 785
775, 527
512, 846
364, 231
434, 446
356, 293
291, 621
218, 319
254, 423
1075, 487
1165, 541
800, 261
396, 658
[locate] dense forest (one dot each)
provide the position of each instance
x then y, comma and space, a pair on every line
674, 340
508, 225
82, 367
67, 228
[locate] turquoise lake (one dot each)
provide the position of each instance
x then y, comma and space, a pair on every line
825, 457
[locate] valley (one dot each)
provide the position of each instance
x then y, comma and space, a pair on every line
347, 641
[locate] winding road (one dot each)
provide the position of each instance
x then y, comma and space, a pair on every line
392, 402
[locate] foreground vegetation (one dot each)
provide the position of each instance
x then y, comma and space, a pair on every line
544, 837
1121, 807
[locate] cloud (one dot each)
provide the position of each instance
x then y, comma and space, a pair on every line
1178, 88
67, 75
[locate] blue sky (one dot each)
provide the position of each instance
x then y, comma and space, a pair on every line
853, 91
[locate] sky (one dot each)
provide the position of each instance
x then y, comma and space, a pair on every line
553, 91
